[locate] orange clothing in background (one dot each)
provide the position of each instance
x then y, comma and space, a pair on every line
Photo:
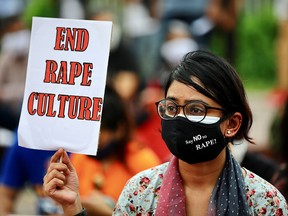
110, 179
150, 133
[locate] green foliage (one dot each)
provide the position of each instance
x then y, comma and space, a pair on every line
255, 47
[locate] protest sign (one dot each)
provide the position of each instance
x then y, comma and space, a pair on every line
65, 84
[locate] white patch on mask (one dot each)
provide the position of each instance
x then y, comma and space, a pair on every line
206, 120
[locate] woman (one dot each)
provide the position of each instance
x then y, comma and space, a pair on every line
204, 109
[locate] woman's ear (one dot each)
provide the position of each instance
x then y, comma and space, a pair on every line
233, 124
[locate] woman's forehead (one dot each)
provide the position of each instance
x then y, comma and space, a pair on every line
182, 93
180, 90
177, 84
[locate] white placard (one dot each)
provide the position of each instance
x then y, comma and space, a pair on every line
65, 84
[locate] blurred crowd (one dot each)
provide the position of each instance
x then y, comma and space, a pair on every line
149, 38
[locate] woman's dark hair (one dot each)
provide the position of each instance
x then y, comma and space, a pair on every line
114, 115
220, 82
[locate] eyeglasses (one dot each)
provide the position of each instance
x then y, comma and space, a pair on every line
194, 111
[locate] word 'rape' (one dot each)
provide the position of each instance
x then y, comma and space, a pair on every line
68, 73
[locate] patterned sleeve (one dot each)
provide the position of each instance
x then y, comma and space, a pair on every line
140, 194
263, 198
123, 204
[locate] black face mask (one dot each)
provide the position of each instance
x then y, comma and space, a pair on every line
193, 142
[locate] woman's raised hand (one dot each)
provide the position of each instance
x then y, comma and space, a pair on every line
61, 183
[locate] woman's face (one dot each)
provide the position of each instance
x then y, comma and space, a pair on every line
182, 94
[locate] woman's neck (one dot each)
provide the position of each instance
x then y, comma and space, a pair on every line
202, 175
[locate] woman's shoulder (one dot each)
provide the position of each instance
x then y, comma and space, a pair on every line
257, 184
263, 197
141, 192
152, 175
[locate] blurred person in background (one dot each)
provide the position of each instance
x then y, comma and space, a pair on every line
120, 155
13, 62
279, 127
141, 26
178, 41
188, 12
150, 130
123, 74
16, 175
9, 9
123, 70
224, 14
279, 145
205, 18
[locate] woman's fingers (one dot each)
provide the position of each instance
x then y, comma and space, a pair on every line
66, 160
55, 177
61, 167
61, 183
56, 157
51, 186
54, 171
61, 156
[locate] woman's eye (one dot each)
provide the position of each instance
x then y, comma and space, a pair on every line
171, 109
194, 110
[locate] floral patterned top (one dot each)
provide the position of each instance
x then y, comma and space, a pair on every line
140, 195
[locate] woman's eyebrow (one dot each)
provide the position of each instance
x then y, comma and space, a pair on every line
188, 101
197, 101
171, 98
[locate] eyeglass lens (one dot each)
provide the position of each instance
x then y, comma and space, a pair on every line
168, 109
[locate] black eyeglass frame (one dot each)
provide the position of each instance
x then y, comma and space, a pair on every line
183, 107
